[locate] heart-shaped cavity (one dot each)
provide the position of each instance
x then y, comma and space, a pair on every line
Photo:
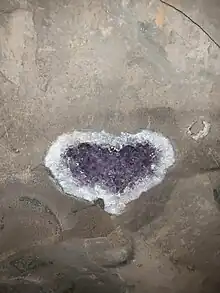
93, 165
112, 168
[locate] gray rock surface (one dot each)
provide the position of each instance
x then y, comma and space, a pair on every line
118, 66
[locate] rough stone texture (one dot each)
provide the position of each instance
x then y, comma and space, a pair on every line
49, 241
114, 250
118, 66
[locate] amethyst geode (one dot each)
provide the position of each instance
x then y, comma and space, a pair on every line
92, 165
111, 168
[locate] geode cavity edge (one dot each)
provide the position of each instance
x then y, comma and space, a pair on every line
93, 165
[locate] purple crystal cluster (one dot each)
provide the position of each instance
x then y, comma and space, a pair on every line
109, 167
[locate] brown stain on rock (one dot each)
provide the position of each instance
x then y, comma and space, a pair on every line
160, 16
